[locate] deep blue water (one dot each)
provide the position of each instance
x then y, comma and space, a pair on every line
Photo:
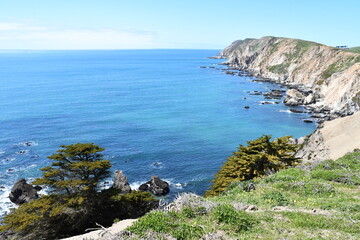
143, 106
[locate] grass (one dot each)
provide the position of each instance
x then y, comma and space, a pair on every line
296, 203
300, 48
339, 66
354, 49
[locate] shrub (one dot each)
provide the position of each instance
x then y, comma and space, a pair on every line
156, 221
276, 198
261, 157
185, 231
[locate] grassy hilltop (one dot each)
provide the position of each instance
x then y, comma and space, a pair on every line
312, 202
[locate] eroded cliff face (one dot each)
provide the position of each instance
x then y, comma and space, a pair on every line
327, 75
332, 140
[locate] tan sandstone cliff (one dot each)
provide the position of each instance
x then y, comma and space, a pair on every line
327, 76
333, 140
323, 78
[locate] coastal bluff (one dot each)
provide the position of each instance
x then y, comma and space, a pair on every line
324, 79
332, 140
328, 77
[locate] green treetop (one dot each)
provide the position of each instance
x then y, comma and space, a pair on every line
77, 169
259, 158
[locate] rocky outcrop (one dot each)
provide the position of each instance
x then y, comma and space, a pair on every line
327, 77
332, 140
294, 98
121, 182
156, 186
23, 192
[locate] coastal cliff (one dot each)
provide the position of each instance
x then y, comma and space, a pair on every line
328, 78
332, 140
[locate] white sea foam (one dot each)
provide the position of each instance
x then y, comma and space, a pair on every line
287, 111
27, 143
174, 185
7, 160
5, 203
158, 165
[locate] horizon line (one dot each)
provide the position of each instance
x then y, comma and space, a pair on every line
110, 49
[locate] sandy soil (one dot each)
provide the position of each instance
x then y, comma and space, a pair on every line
342, 135
93, 235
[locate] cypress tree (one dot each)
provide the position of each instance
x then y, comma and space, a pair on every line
259, 158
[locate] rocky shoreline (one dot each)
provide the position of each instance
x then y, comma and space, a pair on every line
295, 96
324, 79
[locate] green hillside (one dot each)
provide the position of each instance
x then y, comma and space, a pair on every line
354, 49
312, 202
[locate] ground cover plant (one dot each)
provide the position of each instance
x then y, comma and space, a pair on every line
305, 202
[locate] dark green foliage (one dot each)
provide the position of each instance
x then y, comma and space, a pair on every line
276, 198
128, 205
261, 157
239, 220
77, 168
48, 217
75, 204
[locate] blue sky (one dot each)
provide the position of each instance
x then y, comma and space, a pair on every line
199, 24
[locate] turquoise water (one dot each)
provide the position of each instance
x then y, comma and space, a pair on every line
155, 111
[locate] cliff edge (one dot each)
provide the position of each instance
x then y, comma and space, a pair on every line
327, 77
333, 139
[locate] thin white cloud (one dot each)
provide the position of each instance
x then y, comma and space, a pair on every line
8, 26
21, 36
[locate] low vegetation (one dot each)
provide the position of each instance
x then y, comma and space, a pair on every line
259, 158
354, 49
75, 202
263, 200
339, 66
308, 202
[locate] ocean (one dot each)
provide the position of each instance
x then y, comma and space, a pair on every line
156, 112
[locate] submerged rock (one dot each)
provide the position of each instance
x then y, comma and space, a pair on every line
23, 192
155, 186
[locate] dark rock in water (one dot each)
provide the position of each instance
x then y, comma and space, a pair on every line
295, 110
308, 120
156, 186
121, 182
37, 188
22, 192
246, 107
266, 102
230, 72
144, 187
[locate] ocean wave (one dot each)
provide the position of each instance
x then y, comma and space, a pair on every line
7, 160
287, 111
173, 185
158, 165
5, 204
27, 144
